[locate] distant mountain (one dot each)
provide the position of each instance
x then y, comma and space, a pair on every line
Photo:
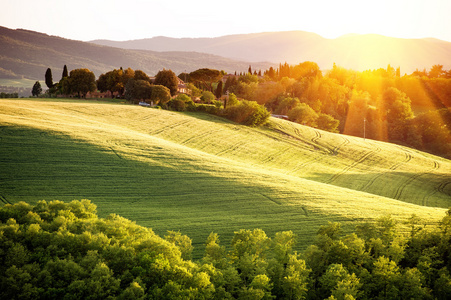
358, 52
28, 54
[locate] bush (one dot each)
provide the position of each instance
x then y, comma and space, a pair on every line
207, 108
248, 113
176, 105
207, 97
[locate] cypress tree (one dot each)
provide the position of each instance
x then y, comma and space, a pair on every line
219, 90
65, 73
48, 78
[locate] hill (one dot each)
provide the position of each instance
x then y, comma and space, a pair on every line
28, 54
199, 173
358, 52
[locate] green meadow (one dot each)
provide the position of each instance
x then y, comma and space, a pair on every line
197, 173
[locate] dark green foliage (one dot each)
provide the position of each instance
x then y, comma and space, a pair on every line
140, 75
82, 81
136, 90
112, 81
168, 79
203, 78
49, 78
37, 89
8, 95
65, 72
57, 250
160, 94
218, 92
176, 105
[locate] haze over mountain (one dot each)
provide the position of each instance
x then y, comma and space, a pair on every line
358, 52
28, 54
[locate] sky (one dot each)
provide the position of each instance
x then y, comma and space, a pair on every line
117, 20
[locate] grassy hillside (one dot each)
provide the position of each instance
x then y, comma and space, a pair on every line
198, 173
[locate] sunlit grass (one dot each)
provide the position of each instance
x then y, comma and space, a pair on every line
198, 173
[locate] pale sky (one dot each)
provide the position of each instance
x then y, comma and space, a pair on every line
136, 19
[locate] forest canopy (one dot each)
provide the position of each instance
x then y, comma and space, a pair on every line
57, 250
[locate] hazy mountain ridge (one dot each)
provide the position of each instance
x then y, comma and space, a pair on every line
354, 51
28, 54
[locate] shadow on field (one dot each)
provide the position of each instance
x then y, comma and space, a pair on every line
425, 189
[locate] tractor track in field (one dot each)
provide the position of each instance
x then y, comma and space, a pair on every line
169, 127
195, 137
314, 141
316, 137
338, 147
272, 156
117, 154
440, 188
354, 164
334, 151
4, 200
232, 148
409, 180
408, 157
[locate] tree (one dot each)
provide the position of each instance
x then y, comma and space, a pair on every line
397, 107
37, 89
436, 71
327, 122
82, 81
306, 69
136, 90
140, 75
183, 242
65, 73
112, 81
168, 79
385, 275
160, 94
207, 97
303, 114
49, 78
205, 77
218, 93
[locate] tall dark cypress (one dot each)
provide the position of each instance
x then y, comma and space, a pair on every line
48, 78
65, 73
219, 90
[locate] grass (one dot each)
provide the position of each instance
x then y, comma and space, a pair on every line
198, 173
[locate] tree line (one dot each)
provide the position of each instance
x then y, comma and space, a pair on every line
162, 92
57, 250
413, 110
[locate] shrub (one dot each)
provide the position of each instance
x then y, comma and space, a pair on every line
176, 105
248, 113
207, 97
207, 108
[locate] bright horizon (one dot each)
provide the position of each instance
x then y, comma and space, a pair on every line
137, 19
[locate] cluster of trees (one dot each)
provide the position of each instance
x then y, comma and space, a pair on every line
413, 110
78, 81
8, 95
56, 250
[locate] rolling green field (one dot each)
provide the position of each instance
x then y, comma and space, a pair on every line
198, 173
